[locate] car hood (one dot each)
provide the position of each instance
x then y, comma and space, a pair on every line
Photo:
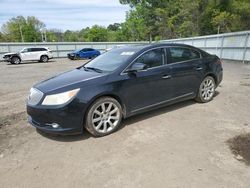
77, 78
11, 53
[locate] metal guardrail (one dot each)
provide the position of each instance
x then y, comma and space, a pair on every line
231, 46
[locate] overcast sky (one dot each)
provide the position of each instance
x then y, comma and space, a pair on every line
65, 14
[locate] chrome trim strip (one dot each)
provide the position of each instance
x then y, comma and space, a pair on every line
156, 104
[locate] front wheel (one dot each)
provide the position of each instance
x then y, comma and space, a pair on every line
206, 90
15, 60
103, 117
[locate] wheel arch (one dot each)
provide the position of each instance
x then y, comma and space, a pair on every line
116, 97
16, 56
112, 95
213, 76
44, 55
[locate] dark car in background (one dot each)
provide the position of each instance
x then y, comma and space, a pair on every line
121, 83
85, 53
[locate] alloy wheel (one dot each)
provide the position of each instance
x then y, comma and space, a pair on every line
16, 60
44, 58
207, 89
106, 117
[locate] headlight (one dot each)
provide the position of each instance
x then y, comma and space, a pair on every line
60, 98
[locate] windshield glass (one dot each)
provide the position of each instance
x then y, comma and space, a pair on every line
110, 61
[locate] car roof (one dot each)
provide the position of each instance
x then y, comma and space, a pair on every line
142, 47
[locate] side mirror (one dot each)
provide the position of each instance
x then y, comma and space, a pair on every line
137, 67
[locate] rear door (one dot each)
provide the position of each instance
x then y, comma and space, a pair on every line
186, 70
35, 54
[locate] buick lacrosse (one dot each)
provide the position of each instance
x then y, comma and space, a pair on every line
121, 83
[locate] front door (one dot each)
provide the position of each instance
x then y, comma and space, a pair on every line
148, 87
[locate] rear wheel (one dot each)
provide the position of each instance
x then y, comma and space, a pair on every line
206, 90
104, 116
15, 60
44, 58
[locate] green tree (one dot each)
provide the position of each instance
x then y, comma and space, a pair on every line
70, 36
96, 34
19, 29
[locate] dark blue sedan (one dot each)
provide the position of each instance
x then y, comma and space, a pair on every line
85, 53
121, 83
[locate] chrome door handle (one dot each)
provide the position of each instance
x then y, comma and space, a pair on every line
167, 77
199, 68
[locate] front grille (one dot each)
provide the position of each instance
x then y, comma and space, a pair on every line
35, 96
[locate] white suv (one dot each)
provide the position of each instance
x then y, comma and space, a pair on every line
41, 54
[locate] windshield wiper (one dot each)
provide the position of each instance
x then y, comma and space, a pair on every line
94, 69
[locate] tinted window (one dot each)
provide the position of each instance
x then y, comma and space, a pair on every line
178, 54
37, 49
153, 58
89, 50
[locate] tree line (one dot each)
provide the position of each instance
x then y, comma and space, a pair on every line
146, 20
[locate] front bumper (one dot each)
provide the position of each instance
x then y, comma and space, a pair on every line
7, 59
71, 56
68, 118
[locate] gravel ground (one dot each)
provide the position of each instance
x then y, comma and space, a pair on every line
184, 145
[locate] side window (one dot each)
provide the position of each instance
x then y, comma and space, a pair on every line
29, 49
153, 58
40, 49
33, 49
178, 54
195, 54
24, 50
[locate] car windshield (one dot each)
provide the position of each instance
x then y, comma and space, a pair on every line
110, 61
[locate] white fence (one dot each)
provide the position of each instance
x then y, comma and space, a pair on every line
232, 46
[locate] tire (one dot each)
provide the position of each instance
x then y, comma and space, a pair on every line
206, 90
77, 57
44, 58
15, 60
103, 117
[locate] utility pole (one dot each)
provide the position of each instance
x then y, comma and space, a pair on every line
44, 35
21, 33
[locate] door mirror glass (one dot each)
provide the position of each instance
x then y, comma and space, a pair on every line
137, 67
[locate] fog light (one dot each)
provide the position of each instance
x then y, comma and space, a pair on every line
54, 125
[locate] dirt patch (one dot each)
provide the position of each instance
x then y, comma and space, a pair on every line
240, 147
244, 84
11, 119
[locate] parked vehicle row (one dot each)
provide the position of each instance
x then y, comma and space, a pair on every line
41, 54
121, 83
